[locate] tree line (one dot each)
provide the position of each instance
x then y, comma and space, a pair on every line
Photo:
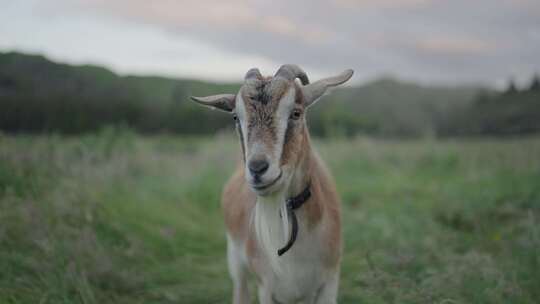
38, 95
511, 112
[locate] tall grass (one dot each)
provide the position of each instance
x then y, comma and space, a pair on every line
117, 218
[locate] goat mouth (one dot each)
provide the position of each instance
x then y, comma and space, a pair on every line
268, 185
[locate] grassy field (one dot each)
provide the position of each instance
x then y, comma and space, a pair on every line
119, 218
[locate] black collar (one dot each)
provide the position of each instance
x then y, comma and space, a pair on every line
294, 203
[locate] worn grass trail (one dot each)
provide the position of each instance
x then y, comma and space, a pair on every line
118, 218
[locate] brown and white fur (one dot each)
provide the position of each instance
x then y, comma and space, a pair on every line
279, 163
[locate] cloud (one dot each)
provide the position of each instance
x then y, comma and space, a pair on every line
363, 4
458, 46
426, 40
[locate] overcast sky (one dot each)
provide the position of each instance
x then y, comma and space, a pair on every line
430, 41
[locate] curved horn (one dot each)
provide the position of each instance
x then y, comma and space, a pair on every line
224, 102
315, 90
253, 73
292, 71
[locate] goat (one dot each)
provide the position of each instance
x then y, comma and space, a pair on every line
281, 208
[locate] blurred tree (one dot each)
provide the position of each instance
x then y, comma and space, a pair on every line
483, 97
511, 89
535, 83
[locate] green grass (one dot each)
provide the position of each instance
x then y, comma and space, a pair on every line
118, 218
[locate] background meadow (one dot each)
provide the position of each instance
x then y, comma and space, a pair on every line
114, 217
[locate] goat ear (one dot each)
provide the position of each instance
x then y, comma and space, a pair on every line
223, 102
312, 92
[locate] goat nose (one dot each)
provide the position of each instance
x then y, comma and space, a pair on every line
258, 166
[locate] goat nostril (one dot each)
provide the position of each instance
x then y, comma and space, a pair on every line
258, 167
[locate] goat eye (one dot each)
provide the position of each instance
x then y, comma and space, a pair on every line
235, 117
295, 114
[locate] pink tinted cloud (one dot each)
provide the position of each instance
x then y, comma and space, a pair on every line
187, 13
366, 4
216, 14
453, 45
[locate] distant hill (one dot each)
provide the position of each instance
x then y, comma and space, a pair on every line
392, 108
38, 95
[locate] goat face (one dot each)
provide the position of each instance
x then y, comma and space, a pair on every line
270, 122
269, 113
